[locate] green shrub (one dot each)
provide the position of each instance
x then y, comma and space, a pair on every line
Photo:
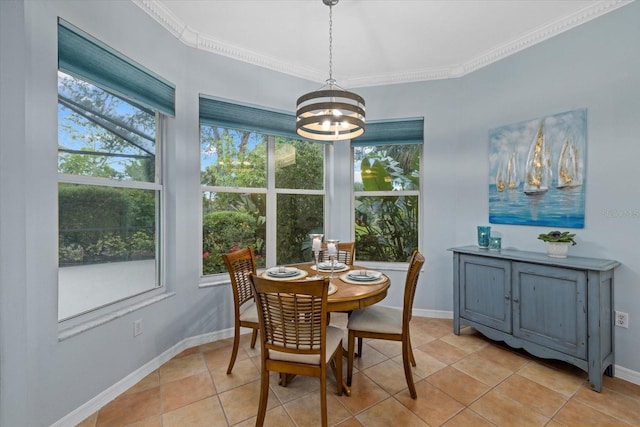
223, 232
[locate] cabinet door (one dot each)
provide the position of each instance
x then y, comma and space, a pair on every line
485, 295
549, 307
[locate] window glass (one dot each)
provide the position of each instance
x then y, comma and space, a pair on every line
386, 223
299, 164
102, 135
236, 189
297, 217
108, 231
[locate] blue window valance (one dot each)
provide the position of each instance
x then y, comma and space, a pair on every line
391, 132
85, 57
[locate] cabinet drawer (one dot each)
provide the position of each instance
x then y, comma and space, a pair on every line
549, 307
485, 295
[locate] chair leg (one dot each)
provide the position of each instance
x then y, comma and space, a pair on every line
254, 336
234, 352
359, 346
264, 395
351, 344
338, 373
323, 397
406, 355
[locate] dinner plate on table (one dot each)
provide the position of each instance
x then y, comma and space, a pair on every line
282, 273
363, 275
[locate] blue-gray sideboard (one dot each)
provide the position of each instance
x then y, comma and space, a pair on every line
554, 308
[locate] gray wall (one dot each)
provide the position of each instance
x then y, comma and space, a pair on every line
43, 379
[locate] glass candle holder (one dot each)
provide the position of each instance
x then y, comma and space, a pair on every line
495, 243
316, 244
483, 236
332, 251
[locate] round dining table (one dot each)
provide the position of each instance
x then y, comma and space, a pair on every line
350, 296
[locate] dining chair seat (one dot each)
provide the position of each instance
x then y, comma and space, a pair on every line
334, 338
385, 320
249, 313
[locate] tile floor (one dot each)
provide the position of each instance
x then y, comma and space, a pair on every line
464, 380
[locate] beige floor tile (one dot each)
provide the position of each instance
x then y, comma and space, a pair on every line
386, 347
563, 382
182, 367
612, 403
468, 418
503, 357
578, 414
527, 392
150, 381
203, 413
242, 402
389, 375
276, 417
504, 411
462, 387
469, 340
188, 352
186, 391
425, 364
364, 394
155, 421
388, 413
351, 422
435, 327
432, 404
219, 358
482, 369
621, 386
130, 408
305, 411
298, 386
370, 357
244, 371
443, 351
419, 335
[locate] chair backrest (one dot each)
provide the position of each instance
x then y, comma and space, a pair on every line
346, 252
292, 315
410, 285
240, 265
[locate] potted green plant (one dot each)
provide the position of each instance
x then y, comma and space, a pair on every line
558, 242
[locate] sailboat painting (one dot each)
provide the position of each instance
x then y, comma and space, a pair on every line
536, 171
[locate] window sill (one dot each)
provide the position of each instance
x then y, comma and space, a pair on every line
65, 332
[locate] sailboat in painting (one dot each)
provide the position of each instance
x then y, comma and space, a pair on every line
569, 174
507, 176
538, 166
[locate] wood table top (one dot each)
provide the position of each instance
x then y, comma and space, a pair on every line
351, 296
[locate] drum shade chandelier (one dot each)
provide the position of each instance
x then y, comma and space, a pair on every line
330, 113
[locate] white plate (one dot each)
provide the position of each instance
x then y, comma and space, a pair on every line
288, 272
327, 266
364, 275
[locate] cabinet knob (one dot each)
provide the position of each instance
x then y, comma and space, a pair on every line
506, 297
516, 300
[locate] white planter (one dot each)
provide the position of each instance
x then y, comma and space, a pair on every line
557, 249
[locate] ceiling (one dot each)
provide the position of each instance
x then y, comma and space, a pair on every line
375, 42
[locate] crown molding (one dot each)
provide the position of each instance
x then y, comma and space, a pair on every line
192, 38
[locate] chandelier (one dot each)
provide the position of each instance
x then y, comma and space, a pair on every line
330, 113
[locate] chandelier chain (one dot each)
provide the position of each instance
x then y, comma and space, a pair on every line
330, 43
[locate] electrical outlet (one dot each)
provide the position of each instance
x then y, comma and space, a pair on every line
137, 327
622, 319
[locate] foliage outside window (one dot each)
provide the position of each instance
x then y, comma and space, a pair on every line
386, 190
239, 182
108, 195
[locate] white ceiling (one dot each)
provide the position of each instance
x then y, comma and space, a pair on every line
374, 42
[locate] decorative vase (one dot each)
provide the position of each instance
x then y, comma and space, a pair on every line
557, 249
483, 236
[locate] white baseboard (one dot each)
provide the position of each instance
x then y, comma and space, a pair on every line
627, 374
95, 404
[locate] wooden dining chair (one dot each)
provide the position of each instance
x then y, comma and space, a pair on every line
240, 265
295, 336
386, 323
346, 253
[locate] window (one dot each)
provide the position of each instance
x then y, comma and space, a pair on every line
109, 185
261, 186
386, 162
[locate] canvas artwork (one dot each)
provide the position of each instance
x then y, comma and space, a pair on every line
537, 174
